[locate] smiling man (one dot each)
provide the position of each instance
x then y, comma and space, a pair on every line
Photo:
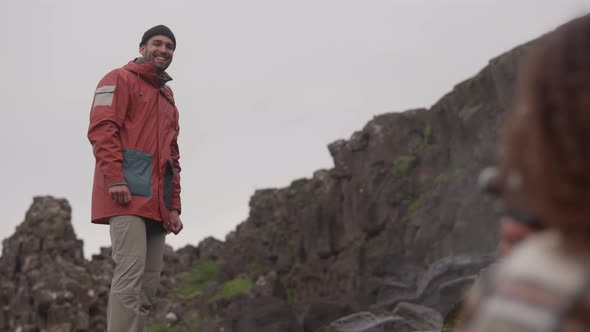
133, 131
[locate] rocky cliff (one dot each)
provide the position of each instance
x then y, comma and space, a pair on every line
386, 240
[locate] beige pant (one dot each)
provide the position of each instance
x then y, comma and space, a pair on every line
138, 250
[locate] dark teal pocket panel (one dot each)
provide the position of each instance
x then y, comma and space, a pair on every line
168, 184
137, 169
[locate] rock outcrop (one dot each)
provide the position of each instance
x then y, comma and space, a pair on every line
45, 282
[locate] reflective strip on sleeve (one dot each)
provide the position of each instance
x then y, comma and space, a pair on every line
103, 96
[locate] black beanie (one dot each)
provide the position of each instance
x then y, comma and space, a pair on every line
158, 30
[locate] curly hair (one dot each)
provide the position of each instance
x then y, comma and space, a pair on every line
546, 143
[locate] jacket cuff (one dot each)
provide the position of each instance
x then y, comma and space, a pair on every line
118, 183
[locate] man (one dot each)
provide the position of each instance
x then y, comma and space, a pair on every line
133, 131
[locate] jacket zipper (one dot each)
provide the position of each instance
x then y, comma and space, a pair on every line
158, 154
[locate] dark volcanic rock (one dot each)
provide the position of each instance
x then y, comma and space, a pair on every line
264, 314
45, 283
368, 322
210, 249
420, 318
436, 287
320, 314
401, 197
269, 285
398, 219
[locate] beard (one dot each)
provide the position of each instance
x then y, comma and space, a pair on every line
161, 60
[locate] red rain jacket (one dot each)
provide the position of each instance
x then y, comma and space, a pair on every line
133, 131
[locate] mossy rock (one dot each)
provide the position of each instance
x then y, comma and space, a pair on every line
403, 164
206, 271
161, 327
235, 286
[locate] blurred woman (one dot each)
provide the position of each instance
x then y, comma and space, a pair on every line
544, 284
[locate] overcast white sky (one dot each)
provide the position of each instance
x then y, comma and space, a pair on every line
262, 87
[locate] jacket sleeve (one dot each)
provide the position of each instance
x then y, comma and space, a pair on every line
175, 154
108, 112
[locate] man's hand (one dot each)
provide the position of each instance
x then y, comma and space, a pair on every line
175, 225
120, 194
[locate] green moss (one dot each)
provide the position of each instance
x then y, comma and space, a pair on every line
302, 193
205, 271
412, 208
192, 320
161, 328
402, 165
452, 320
233, 287
427, 139
292, 244
414, 205
427, 134
459, 172
303, 197
290, 295
253, 270
441, 179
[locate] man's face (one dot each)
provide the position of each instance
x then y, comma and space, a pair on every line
158, 49
511, 234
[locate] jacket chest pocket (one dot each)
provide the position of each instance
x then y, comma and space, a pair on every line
137, 169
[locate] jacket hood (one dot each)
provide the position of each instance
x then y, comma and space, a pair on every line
148, 71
